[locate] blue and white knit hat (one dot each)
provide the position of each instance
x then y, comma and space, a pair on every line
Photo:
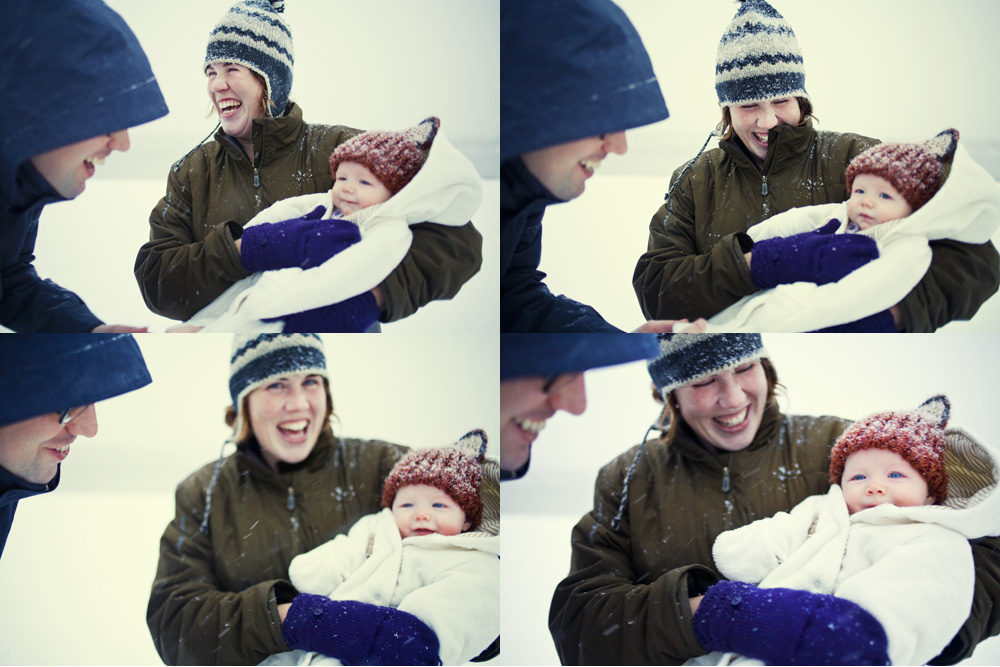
758, 58
253, 34
687, 358
262, 358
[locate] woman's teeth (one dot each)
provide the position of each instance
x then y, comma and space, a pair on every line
762, 138
530, 425
229, 106
735, 420
294, 426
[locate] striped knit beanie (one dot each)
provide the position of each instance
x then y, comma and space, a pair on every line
393, 157
915, 170
253, 34
262, 358
758, 58
918, 436
689, 357
457, 470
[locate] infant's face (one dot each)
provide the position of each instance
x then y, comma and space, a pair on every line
874, 200
877, 476
356, 188
421, 509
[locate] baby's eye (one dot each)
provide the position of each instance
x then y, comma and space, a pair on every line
885, 195
857, 477
895, 475
858, 191
406, 505
440, 505
364, 182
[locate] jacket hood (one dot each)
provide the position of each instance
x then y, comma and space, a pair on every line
72, 70
973, 504
571, 69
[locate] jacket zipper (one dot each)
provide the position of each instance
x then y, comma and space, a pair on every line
294, 521
256, 177
763, 185
725, 479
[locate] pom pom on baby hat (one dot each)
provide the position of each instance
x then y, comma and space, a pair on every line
917, 435
915, 170
455, 469
393, 157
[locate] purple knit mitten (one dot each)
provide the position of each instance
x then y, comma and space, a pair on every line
353, 315
877, 323
303, 242
818, 256
782, 626
357, 633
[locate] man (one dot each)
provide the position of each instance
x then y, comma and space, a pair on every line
51, 384
75, 79
575, 76
541, 374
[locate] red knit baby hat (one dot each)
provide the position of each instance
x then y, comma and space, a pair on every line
456, 470
918, 436
393, 157
915, 170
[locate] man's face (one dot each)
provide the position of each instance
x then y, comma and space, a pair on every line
564, 168
524, 408
67, 168
32, 449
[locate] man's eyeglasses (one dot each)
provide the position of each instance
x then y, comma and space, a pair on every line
69, 414
557, 383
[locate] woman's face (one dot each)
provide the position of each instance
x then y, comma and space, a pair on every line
237, 95
287, 416
725, 409
752, 121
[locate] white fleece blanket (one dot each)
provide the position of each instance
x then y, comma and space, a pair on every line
910, 567
447, 190
966, 209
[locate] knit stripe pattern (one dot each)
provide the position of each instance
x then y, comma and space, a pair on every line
252, 34
917, 435
758, 58
394, 158
690, 357
262, 358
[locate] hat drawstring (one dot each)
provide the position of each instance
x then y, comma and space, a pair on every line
211, 486
616, 521
711, 134
177, 165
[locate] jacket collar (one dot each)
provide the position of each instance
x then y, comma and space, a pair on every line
271, 136
13, 488
520, 191
31, 190
688, 445
790, 146
251, 458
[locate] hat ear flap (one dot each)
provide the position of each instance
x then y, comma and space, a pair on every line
423, 134
943, 145
473, 444
936, 409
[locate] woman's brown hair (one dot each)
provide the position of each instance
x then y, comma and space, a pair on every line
671, 415
725, 126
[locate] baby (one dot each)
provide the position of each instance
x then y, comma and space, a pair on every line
903, 197
426, 553
889, 536
317, 258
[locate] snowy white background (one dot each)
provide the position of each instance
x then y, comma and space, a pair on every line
79, 562
386, 64
848, 376
899, 70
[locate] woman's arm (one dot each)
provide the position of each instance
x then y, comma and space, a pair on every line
984, 618
605, 613
673, 280
178, 274
190, 619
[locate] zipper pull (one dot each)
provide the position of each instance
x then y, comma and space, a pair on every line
763, 185
291, 499
256, 178
725, 479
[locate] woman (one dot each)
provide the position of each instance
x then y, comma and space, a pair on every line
642, 559
262, 153
770, 159
221, 593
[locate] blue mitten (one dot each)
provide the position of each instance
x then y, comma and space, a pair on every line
357, 633
782, 626
353, 315
819, 256
877, 323
304, 242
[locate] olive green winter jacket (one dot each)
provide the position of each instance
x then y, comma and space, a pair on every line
625, 601
191, 256
694, 265
214, 599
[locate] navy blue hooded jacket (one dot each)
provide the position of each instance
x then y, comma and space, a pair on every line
569, 69
71, 70
48, 373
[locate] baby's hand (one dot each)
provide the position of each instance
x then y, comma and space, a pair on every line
300, 242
